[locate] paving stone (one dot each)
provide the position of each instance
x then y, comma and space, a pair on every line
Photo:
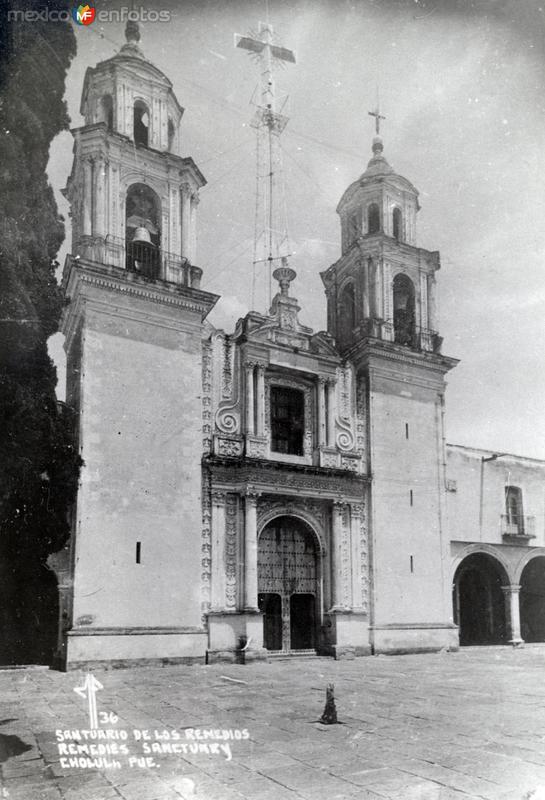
420, 727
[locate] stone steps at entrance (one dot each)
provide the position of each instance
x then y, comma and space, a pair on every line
279, 655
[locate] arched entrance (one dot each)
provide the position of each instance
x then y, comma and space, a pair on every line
532, 600
288, 585
478, 599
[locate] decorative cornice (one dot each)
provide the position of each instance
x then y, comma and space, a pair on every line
275, 478
369, 348
130, 284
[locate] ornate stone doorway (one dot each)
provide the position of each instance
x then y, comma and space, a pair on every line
478, 599
288, 585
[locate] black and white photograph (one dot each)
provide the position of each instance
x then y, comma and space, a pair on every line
272, 438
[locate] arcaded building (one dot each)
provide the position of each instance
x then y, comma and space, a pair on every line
270, 490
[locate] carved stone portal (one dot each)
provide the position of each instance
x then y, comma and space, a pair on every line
288, 585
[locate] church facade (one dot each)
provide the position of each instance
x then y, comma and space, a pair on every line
274, 490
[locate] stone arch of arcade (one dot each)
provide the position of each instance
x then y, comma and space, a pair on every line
530, 577
482, 597
290, 578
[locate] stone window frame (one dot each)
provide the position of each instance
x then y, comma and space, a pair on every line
309, 411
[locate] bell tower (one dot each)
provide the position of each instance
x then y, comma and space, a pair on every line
382, 314
133, 328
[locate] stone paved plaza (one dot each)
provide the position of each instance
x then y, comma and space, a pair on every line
446, 726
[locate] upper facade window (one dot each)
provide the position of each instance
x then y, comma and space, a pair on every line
287, 420
513, 505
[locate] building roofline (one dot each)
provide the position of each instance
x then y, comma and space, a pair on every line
480, 450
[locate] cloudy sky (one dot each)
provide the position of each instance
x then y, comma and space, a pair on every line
462, 86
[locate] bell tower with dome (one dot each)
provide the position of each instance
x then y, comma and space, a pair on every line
133, 328
382, 314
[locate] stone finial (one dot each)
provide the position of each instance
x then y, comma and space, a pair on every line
132, 32
132, 35
378, 146
284, 275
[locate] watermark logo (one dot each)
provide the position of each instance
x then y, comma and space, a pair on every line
83, 15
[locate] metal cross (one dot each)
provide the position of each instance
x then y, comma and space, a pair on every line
378, 116
270, 52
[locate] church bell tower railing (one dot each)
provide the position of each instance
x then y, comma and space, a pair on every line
149, 261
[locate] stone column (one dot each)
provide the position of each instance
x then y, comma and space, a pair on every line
250, 552
432, 304
365, 299
331, 408
387, 298
260, 400
336, 556
378, 287
250, 401
174, 221
98, 205
193, 227
321, 411
217, 596
513, 613
186, 221
424, 316
88, 191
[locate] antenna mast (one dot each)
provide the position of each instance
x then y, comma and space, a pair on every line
271, 228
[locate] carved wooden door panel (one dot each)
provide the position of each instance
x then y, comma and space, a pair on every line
287, 569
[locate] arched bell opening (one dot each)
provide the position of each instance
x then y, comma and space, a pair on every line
373, 218
143, 230
141, 120
289, 585
478, 600
171, 134
532, 600
397, 223
347, 314
404, 310
106, 111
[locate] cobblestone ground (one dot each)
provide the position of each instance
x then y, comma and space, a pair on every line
423, 727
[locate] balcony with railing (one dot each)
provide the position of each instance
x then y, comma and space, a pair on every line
141, 258
517, 528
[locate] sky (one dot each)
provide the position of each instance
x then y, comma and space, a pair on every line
462, 87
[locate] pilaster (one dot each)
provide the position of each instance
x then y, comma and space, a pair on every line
250, 552
217, 594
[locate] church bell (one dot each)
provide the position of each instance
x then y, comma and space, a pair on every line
141, 236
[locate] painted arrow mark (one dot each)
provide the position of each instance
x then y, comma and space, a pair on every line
89, 690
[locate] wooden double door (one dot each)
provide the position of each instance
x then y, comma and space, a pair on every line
288, 585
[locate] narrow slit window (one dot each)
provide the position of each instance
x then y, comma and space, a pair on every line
406, 430
411, 496
412, 563
138, 552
